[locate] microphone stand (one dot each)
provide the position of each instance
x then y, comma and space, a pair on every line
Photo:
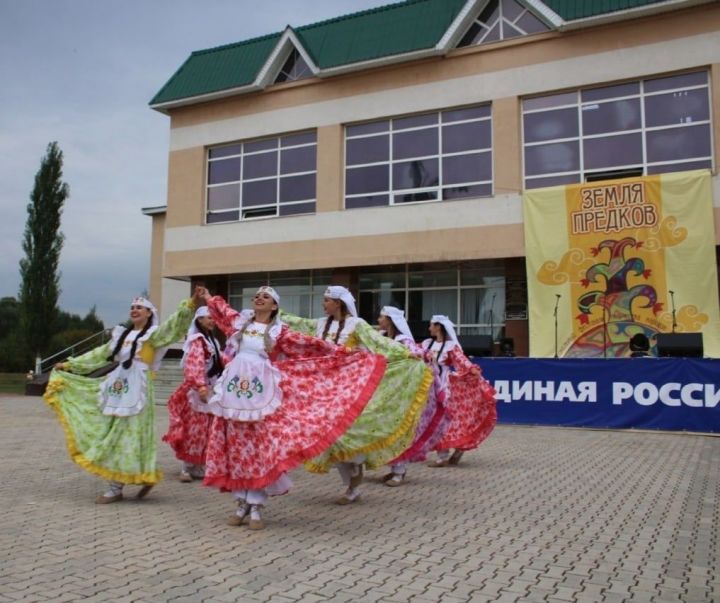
492, 326
604, 309
672, 301
557, 301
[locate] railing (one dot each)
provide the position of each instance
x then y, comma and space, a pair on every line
43, 365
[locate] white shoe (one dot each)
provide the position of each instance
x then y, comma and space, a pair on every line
352, 495
237, 518
396, 480
256, 522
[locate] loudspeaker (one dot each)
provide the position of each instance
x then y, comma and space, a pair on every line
680, 345
476, 345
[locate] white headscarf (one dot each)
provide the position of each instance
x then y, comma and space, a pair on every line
449, 326
193, 330
270, 291
398, 318
146, 303
344, 295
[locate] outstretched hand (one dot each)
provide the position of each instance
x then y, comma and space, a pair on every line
203, 394
200, 295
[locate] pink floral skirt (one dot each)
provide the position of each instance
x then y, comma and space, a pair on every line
322, 396
473, 412
188, 430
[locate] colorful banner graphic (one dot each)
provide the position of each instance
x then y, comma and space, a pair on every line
615, 258
677, 394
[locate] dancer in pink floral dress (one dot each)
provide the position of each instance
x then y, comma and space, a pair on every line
434, 419
189, 425
470, 398
282, 398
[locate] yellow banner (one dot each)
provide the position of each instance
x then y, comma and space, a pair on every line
607, 260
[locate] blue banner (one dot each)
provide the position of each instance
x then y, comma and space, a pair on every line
677, 394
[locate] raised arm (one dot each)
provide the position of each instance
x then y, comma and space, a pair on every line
89, 361
456, 358
223, 314
174, 327
308, 326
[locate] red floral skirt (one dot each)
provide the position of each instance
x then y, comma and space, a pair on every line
188, 430
322, 396
473, 412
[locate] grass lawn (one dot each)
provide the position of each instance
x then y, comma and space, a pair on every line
12, 383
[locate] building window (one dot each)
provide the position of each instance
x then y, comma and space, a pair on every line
262, 178
502, 20
295, 68
471, 294
430, 157
301, 291
633, 128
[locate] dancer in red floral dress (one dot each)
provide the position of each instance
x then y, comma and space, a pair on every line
188, 426
469, 396
434, 420
283, 398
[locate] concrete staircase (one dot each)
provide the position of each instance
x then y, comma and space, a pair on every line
167, 379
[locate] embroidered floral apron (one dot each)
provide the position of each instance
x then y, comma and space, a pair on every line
123, 393
249, 387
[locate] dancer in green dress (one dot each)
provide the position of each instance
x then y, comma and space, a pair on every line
387, 425
109, 421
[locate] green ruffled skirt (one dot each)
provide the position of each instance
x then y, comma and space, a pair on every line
121, 449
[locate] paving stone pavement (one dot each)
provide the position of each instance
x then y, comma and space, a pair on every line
535, 514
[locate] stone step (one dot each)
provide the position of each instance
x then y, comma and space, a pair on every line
167, 379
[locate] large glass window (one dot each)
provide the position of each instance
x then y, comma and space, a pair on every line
472, 294
301, 292
643, 127
262, 178
502, 20
430, 157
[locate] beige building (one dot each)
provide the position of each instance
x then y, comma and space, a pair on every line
388, 150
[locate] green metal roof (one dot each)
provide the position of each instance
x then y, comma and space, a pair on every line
385, 31
390, 30
220, 68
580, 9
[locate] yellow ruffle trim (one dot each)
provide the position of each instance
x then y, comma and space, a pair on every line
352, 341
408, 424
56, 385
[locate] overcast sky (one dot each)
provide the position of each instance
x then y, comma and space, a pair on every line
81, 72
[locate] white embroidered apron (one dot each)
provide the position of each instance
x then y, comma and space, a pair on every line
123, 393
249, 387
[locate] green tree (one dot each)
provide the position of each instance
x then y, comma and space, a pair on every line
42, 243
66, 322
14, 355
9, 316
92, 322
64, 339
